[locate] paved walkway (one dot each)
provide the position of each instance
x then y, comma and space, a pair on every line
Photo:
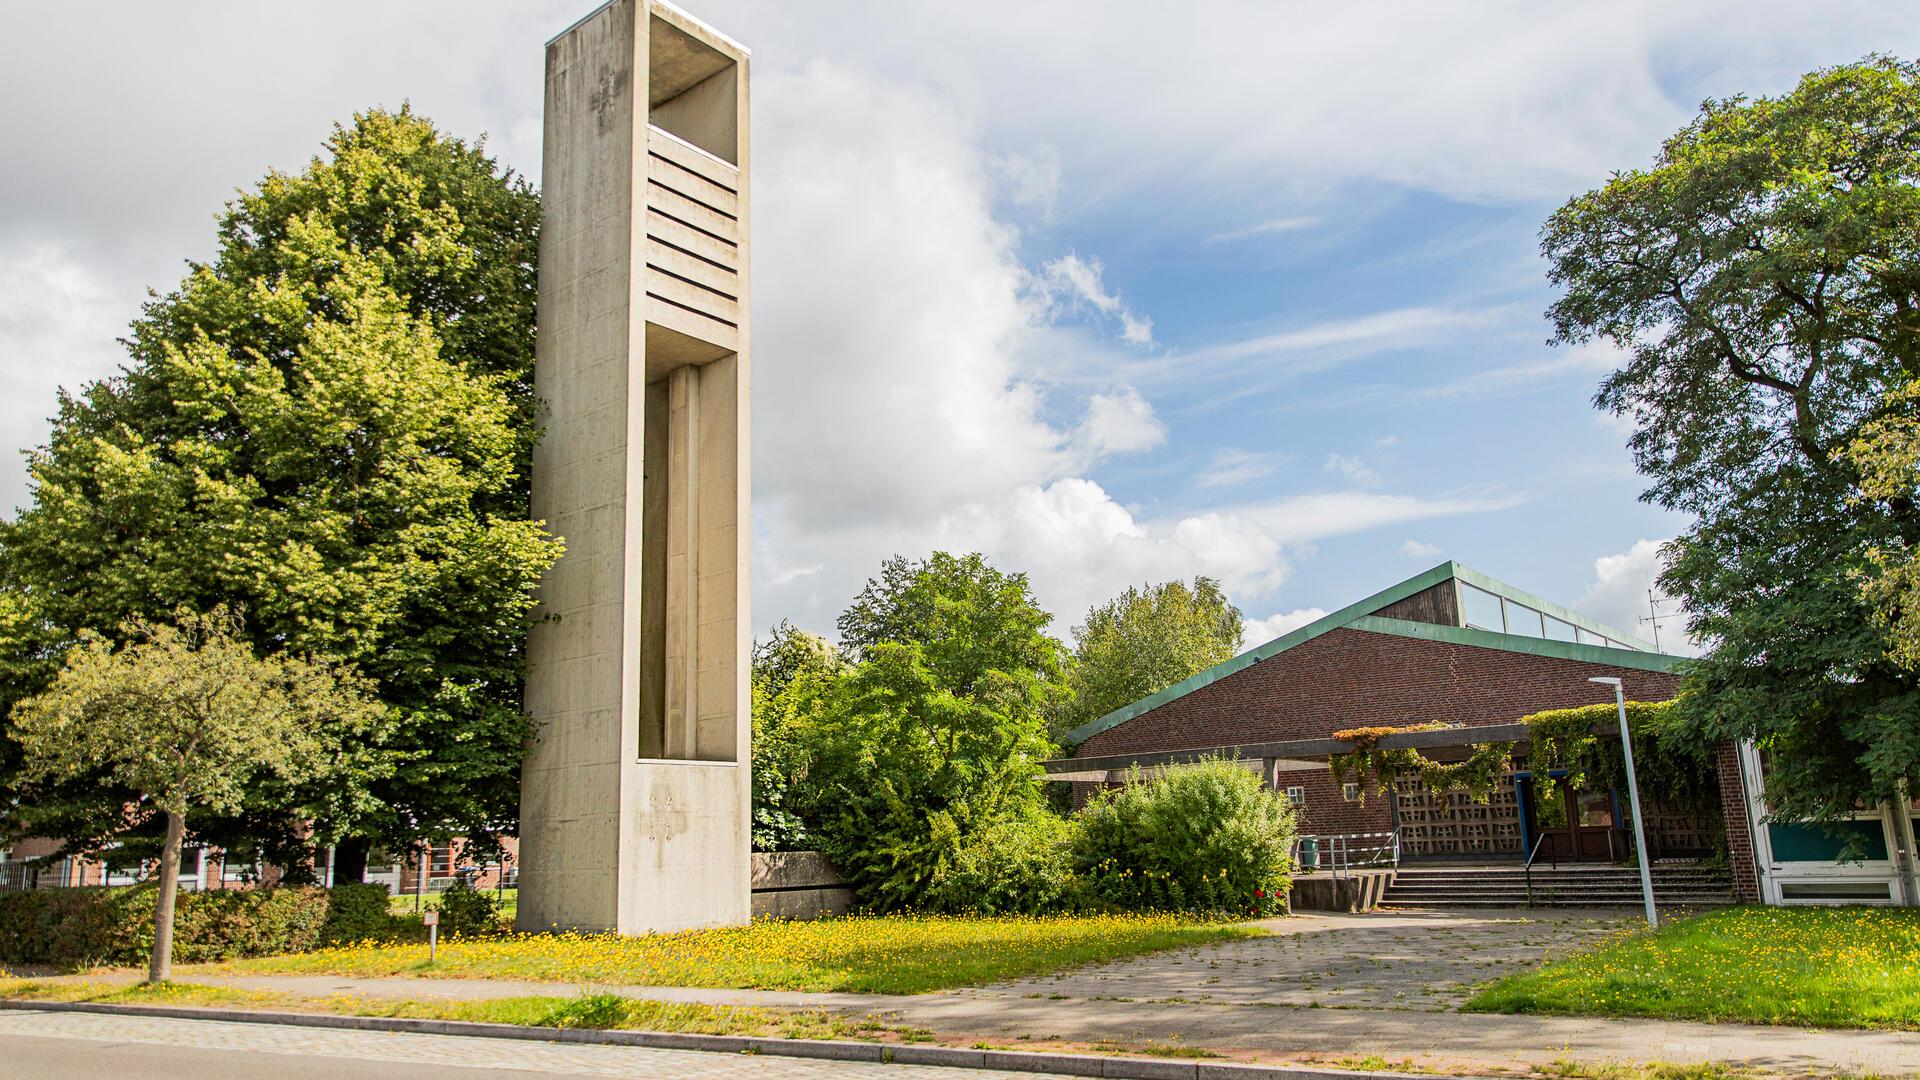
1321, 987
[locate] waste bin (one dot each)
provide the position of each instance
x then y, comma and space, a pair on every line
1309, 855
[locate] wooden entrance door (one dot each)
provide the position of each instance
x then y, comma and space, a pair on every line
1582, 827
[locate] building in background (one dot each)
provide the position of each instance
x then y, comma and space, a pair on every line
1451, 646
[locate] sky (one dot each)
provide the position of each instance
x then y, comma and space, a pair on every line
1113, 292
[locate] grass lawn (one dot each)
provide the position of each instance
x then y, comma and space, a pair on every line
402, 903
1822, 967
866, 954
600, 1011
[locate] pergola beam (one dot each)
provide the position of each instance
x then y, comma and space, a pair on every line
1295, 749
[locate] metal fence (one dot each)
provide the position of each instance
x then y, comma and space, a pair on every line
1340, 853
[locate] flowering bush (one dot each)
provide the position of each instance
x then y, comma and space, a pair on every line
1203, 837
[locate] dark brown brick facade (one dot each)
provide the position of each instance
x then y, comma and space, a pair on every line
1349, 678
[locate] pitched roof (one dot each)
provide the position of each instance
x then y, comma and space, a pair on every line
1361, 615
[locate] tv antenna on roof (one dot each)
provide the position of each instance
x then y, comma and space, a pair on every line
1655, 616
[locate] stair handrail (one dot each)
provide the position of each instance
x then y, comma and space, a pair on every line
1527, 867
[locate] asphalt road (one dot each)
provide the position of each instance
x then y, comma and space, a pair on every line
79, 1046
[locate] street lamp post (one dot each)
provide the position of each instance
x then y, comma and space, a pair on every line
1633, 795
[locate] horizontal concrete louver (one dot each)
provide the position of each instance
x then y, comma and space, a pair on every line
693, 241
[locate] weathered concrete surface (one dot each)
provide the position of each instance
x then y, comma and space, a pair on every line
635, 800
797, 885
1359, 890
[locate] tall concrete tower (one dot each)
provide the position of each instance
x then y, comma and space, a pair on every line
635, 802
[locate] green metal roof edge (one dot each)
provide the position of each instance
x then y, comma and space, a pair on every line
1391, 594
1521, 596
1518, 643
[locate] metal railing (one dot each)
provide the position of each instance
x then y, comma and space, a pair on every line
1341, 853
1527, 867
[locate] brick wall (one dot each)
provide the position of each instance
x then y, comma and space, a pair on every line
1327, 809
1349, 678
1733, 806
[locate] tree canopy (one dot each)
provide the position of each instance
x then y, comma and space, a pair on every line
937, 735
1145, 640
329, 426
1760, 282
187, 718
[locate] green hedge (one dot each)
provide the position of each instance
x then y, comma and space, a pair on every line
81, 927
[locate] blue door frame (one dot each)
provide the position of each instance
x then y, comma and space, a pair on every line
1525, 800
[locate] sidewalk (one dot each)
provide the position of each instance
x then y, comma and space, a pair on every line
1443, 1039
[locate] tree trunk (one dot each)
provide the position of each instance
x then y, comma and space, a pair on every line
350, 860
163, 905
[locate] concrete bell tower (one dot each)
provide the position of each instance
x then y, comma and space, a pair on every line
635, 801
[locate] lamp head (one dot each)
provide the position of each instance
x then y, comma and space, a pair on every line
1607, 679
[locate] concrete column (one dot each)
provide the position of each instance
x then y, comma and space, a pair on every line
635, 800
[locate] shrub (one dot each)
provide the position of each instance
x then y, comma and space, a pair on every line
1203, 837
1016, 866
467, 912
82, 927
359, 913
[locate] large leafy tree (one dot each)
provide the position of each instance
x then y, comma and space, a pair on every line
1145, 640
187, 717
938, 734
328, 427
796, 680
1760, 279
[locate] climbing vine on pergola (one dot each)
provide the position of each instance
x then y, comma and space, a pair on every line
1575, 740
1478, 775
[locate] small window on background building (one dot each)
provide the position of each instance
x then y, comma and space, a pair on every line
1297, 796
1480, 608
442, 863
1523, 620
1350, 791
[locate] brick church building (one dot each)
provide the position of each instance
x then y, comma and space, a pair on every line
1449, 645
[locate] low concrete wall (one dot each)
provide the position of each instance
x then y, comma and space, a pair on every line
1358, 890
797, 885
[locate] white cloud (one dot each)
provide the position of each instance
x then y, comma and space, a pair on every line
1120, 422
1419, 549
892, 363
1618, 597
1265, 228
1351, 468
1231, 467
1261, 631
1588, 360
1080, 281
58, 323
1302, 519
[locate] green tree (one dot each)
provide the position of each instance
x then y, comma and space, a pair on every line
1760, 280
796, 678
328, 426
1145, 640
939, 732
186, 717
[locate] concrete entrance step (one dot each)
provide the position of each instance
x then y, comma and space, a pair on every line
1569, 885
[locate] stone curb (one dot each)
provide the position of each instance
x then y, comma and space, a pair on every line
1054, 1064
